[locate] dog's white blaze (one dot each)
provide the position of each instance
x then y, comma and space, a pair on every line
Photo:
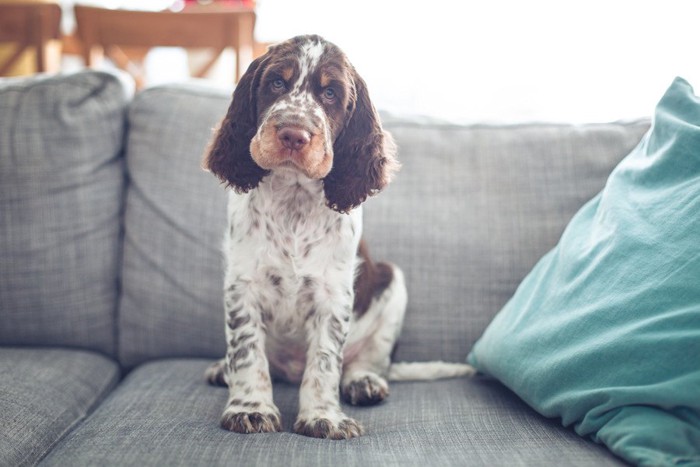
310, 55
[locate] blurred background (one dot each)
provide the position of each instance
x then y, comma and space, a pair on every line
464, 61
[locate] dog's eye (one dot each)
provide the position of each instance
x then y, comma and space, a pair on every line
329, 94
278, 85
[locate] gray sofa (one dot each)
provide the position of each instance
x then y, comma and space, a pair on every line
111, 278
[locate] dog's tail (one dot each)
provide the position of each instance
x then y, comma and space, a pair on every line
425, 371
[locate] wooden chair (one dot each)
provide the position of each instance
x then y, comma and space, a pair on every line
113, 32
31, 25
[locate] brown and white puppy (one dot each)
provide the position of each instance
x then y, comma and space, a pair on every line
302, 147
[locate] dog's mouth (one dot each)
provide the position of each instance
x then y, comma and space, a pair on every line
292, 164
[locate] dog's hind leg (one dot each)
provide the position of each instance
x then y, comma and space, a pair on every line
215, 373
370, 343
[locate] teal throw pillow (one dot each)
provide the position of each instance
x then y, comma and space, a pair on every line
604, 332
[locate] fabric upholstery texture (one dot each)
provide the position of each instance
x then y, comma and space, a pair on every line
467, 217
44, 394
605, 331
166, 414
61, 186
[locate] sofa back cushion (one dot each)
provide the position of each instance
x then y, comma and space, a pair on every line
172, 290
473, 209
61, 190
467, 217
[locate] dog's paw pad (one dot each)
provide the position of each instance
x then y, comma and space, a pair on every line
324, 428
251, 422
367, 390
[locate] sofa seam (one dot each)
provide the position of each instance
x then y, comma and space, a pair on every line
119, 279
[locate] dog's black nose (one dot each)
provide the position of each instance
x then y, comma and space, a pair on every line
294, 138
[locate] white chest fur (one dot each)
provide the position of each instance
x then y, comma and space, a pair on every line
291, 254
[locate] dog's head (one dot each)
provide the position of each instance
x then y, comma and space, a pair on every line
302, 105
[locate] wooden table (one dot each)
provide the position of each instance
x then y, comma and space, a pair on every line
117, 32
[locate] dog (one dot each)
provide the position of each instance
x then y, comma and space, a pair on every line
301, 148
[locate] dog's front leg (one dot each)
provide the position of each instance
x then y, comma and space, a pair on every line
320, 415
250, 408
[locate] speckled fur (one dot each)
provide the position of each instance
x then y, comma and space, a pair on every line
293, 261
291, 265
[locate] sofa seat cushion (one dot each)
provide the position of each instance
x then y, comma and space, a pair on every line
44, 394
165, 414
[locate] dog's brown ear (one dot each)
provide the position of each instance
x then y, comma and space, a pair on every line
364, 159
228, 155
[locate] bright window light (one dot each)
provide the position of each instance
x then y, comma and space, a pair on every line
505, 60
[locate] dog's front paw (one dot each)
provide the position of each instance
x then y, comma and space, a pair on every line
368, 389
251, 422
330, 426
